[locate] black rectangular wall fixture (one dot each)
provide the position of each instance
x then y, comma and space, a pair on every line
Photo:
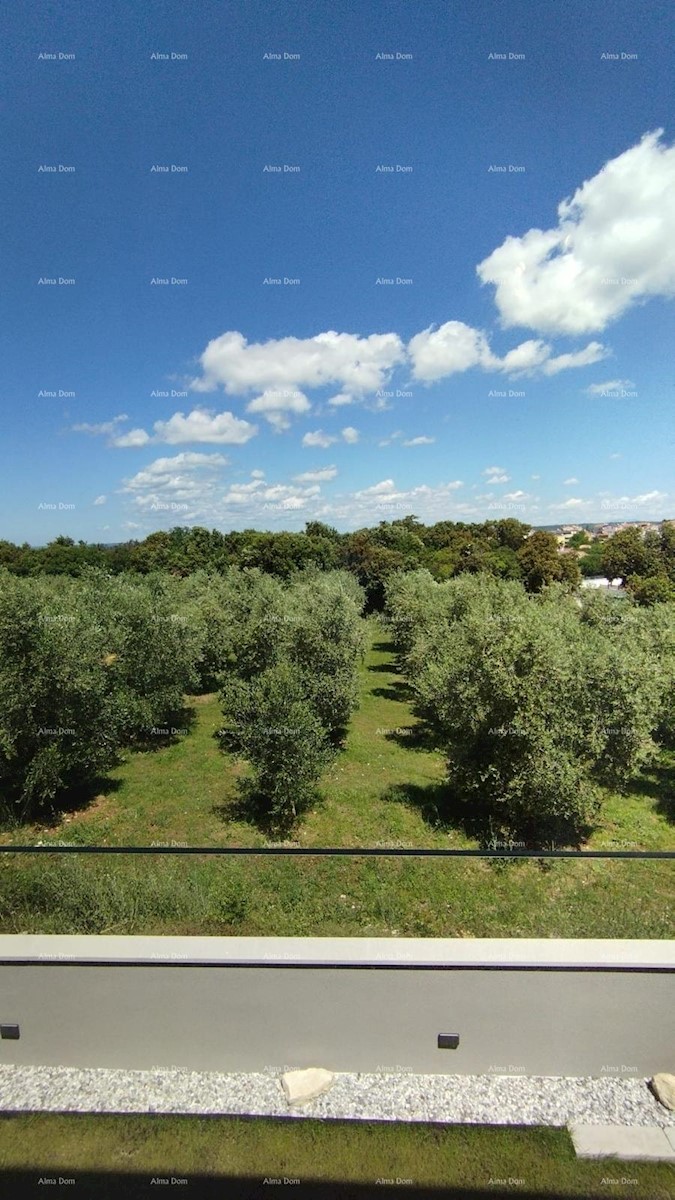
10, 1032
448, 1041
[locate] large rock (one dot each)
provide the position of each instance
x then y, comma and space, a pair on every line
664, 1089
302, 1086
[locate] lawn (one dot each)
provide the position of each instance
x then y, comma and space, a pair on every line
119, 1155
384, 789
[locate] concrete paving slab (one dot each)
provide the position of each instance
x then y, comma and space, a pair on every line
632, 1142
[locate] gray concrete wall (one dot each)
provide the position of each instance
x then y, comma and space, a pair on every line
526, 1006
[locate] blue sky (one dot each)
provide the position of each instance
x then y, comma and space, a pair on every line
519, 362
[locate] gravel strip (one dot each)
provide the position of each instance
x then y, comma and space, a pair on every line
462, 1099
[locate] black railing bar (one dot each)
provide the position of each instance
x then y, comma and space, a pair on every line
344, 852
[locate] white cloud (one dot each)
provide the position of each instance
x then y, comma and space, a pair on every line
591, 353
570, 481
318, 476
274, 404
535, 476
650, 498
257, 474
613, 246
610, 385
525, 357
378, 489
100, 500
418, 441
106, 427
200, 425
318, 438
604, 506
357, 364
457, 347
166, 471
453, 347
519, 495
496, 475
134, 437
184, 487
341, 399
350, 434
203, 425
266, 503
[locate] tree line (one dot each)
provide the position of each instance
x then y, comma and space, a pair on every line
506, 549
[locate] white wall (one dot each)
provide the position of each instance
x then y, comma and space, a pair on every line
521, 1006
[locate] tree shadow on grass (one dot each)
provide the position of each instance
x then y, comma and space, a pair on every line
444, 811
72, 800
385, 668
251, 807
658, 783
402, 692
386, 647
419, 736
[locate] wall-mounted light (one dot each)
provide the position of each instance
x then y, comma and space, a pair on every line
10, 1032
448, 1041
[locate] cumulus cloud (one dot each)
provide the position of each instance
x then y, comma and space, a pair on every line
496, 475
418, 441
385, 486
605, 506
455, 347
591, 353
570, 481
200, 425
318, 438
357, 364
276, 403
167, 471
134, 437
203, 425
185, 484
105, 427
614, 245
610, 385
341, 399
318, 476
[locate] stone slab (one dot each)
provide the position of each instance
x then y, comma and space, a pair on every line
632, 1142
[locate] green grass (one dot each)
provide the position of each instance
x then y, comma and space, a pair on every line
200, 1149
383, 789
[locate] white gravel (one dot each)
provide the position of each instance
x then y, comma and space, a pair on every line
463, 1099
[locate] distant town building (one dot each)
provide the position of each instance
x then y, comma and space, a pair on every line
612, 586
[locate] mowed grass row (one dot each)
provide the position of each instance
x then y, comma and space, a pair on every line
384, 789
123, 1153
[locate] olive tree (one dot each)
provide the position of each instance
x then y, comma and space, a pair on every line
273, 725
58, 727
533, 706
